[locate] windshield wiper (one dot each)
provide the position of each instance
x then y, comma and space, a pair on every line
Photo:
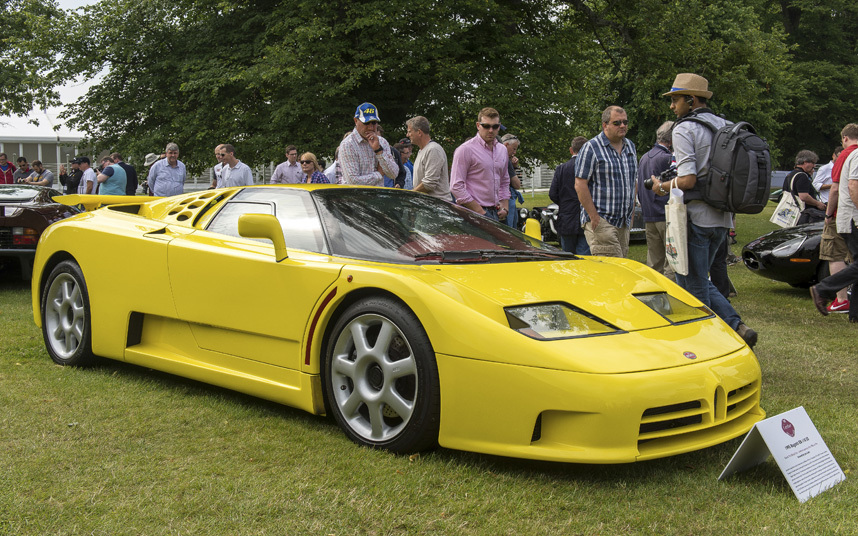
492, 255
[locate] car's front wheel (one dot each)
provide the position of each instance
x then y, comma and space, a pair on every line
381, 380
66, 316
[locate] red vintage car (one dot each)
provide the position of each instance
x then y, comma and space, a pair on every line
25, 212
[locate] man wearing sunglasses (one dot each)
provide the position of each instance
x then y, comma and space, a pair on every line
479, 179
605, 173
364, 155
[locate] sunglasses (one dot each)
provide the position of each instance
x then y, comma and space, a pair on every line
307, 162
220, 154
489, 126
618, 122
371, 123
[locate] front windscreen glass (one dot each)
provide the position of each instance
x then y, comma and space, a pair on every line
400, 226
18, 194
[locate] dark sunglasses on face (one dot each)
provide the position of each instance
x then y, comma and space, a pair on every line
371, 123
220, 154
307, 162
488, 126
620, 122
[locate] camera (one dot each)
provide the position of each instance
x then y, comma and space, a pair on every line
665, 176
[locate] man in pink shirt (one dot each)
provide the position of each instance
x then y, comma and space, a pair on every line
479, 179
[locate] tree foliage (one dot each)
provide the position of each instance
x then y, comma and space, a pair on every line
27, 54
262, 74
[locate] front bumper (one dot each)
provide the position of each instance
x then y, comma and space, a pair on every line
528, 412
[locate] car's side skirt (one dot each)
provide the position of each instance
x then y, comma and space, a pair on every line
168, 345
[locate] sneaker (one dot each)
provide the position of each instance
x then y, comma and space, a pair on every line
839, 306
747, 334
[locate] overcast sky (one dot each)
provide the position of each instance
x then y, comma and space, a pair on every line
19, 126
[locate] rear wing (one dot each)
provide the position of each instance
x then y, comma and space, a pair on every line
92, 202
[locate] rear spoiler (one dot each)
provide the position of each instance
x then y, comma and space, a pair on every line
92, 202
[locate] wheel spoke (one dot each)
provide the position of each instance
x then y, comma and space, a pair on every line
352, 404
358, 331
385, 336
341, 364
399, 369
376, 419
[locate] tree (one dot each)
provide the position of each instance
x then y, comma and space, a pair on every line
27, 54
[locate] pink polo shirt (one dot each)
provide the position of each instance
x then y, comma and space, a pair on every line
480, 173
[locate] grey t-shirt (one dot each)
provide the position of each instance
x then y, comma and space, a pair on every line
691, 142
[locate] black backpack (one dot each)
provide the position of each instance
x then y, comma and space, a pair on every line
740, 169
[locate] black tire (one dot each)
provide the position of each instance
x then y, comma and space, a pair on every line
66, 316
383, 391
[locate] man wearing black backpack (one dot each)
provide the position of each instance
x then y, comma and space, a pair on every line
707, 225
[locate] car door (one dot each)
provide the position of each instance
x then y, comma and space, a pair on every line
238, 300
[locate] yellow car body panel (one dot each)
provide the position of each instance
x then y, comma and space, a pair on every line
167, 294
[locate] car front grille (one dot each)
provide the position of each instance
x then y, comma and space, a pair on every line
751, 260
671, 422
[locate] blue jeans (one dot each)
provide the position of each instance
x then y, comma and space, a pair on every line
512, 215
575, 243
491, 213
703, 244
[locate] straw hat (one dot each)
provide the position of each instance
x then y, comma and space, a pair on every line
690, 84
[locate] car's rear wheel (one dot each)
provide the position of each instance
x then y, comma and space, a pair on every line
66, 316
381, 380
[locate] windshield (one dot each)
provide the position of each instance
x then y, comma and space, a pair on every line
401, 226
18, 194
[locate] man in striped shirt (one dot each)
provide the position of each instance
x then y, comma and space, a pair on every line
605, 174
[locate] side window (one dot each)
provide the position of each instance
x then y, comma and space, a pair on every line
226, 221
294, 209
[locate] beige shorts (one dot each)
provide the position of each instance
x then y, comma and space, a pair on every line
832, 247
607, 240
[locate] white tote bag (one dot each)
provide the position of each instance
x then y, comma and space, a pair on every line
788, 210
676, 233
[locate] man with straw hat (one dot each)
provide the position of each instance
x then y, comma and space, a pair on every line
707, 225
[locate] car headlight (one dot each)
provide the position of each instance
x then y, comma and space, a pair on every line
548, 321
789, 248
672, 309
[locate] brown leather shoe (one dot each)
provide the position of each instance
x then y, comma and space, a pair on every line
820, 302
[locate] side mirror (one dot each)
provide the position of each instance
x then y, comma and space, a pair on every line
264, 226
533, 229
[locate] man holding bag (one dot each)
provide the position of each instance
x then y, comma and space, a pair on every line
707, 226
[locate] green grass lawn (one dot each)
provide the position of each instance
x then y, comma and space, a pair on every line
118, 449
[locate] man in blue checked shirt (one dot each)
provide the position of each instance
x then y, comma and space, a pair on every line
605, 174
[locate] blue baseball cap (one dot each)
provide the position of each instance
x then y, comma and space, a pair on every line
367, 112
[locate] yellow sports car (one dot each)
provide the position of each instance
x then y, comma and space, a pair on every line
413, 321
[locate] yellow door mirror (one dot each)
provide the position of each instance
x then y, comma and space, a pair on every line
264, 226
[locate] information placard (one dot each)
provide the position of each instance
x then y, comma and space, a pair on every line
793, 441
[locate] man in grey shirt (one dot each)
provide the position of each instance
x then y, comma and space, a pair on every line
707, 225
431, 173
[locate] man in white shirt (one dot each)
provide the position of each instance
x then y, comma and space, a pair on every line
234, 172
822, 179
87, 181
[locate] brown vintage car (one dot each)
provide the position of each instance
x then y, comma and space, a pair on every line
25, 211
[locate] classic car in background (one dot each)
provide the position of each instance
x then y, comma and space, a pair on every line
25, 212
790, 255
412, 321
547, 218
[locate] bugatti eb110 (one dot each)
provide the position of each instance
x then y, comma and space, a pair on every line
411, 320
